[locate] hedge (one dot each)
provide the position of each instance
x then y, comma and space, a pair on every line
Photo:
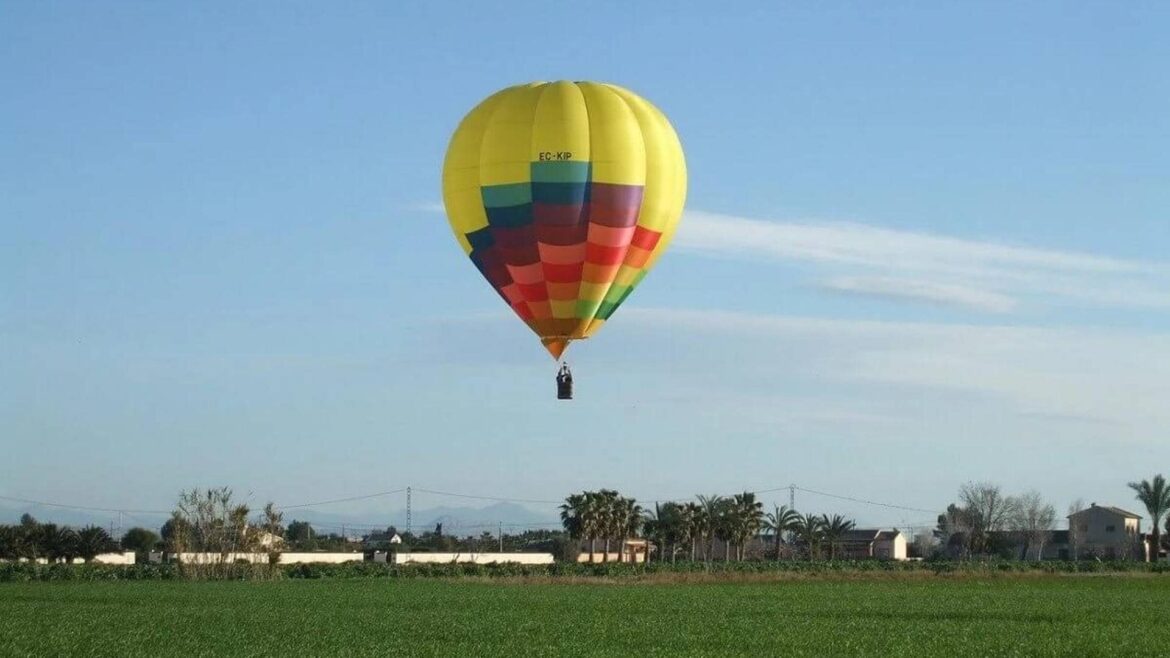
27, 572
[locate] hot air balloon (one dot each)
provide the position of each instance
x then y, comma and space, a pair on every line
564, 195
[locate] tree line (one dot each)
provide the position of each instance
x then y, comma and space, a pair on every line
691, 529
31, 540
983, 522
987, 522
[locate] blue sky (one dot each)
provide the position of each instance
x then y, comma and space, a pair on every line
925, 243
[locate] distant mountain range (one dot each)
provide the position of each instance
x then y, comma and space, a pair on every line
459, 521
456, 520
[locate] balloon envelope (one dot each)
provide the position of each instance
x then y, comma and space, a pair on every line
564, 194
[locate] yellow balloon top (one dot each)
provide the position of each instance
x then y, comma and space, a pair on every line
564, 194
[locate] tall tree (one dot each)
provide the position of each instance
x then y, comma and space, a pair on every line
301, 536
603, 514
988, 510
654, 531
690, 522
210, 523
954, 531
630, 522
12, 542
809, 529
21, 541
57, 543
593, 520
724, 527
139, 540
1033, 519
92, 541
833, 528
672, 520
1156, 497
272, 522
664, 526
611, 512
176, 534
711, 521
749, 518
780, 520
573, 518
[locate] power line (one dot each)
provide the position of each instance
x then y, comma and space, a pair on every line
347, 524
342, 500
865, 502
492, 498
113, 510
82, 507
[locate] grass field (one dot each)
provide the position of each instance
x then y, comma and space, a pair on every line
1038, 615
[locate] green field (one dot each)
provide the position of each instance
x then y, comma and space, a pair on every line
1037, 615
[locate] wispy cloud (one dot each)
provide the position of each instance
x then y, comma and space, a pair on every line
922, 290
1110, 377
981, 275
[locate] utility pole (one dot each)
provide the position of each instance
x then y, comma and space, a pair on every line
408, 519
792, 496
500, 534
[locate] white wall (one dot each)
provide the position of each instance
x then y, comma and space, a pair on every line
319, 558
475, 558
262, 558
891, 549
126, 557
1095, 521
334, 558
104, 558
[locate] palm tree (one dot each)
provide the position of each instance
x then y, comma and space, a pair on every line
654, 527
748, 518
1156, 497
627, 518
779, 521
629, 522
16, 542
712, 507
704, 526
670, 518
93, 541
832, 529
609, 515
56, 543
598, 519
664, 526
580, 518
808, 528
689, 522
725, 526
572, 518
